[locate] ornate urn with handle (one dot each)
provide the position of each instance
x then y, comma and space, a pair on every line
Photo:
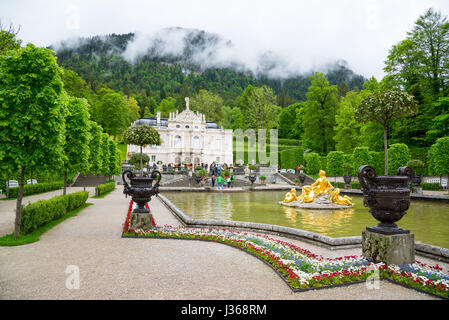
388, 197
141, 189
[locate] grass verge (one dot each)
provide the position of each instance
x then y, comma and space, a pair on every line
9, 240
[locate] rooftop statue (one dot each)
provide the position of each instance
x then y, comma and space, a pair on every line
321, 194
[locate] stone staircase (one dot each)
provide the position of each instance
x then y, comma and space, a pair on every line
89, 180
290, 177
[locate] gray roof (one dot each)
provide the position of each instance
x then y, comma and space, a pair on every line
151, 121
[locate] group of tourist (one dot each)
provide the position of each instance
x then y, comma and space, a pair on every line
222, 182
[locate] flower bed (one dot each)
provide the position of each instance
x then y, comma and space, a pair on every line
300, 268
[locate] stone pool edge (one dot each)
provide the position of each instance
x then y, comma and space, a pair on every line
423, 249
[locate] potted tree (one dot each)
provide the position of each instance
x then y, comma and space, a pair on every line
200, 176
262, 179
141, 189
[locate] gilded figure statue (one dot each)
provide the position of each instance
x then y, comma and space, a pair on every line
319, 187
291, 196
338, 199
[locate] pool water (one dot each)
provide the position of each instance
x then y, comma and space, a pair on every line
428, 221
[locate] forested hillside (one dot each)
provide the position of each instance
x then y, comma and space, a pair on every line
102, 61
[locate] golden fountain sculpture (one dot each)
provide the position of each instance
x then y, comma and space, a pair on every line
321, 194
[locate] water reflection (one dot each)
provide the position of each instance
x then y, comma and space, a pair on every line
325, 221
429, 221
291, 213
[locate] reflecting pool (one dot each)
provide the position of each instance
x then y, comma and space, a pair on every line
428, 221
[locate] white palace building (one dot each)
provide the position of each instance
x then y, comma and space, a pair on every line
187, 137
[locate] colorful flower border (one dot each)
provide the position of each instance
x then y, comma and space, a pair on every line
300, 268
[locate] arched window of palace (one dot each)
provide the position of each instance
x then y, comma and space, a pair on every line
178, 142
196, 142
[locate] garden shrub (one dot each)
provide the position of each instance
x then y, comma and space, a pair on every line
102, 189
430, 186
377, 161
398, 156
30, 189
290, 158
41, 212
334, 164
360, 157
313, 163
323, 163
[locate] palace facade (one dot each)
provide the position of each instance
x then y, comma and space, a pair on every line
187, 137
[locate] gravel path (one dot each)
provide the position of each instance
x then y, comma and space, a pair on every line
112, 267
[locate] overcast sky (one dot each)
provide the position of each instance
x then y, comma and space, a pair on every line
305, 33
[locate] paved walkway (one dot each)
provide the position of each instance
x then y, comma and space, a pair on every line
8, 207
112, 267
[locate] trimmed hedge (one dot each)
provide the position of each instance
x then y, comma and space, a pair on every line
30, 189
102, 189
313, 163
41, 212
430, 186
290, 158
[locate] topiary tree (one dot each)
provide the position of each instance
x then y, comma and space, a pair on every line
76, 146
335, 161
32, 112
417, 166
104, 170
360, 157
439, 157
384, 105
142, 136
135, 160
313, 163
399, 156
95, 150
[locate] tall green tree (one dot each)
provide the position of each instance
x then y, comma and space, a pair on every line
106, 157
166, 106
76, 145
347, 128
95, 150
258, 107
439, 157
209, 104
32, 111
319, 115
8, 38
287, 122
419, 65
110, 112
383, 106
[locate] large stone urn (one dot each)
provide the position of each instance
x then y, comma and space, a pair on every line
252, 178
388, 197
141, 190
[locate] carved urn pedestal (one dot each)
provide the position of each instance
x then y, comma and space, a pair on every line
388, 198
141, 190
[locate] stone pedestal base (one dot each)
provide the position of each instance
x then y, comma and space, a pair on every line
389, 249
141, 221
417, 190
